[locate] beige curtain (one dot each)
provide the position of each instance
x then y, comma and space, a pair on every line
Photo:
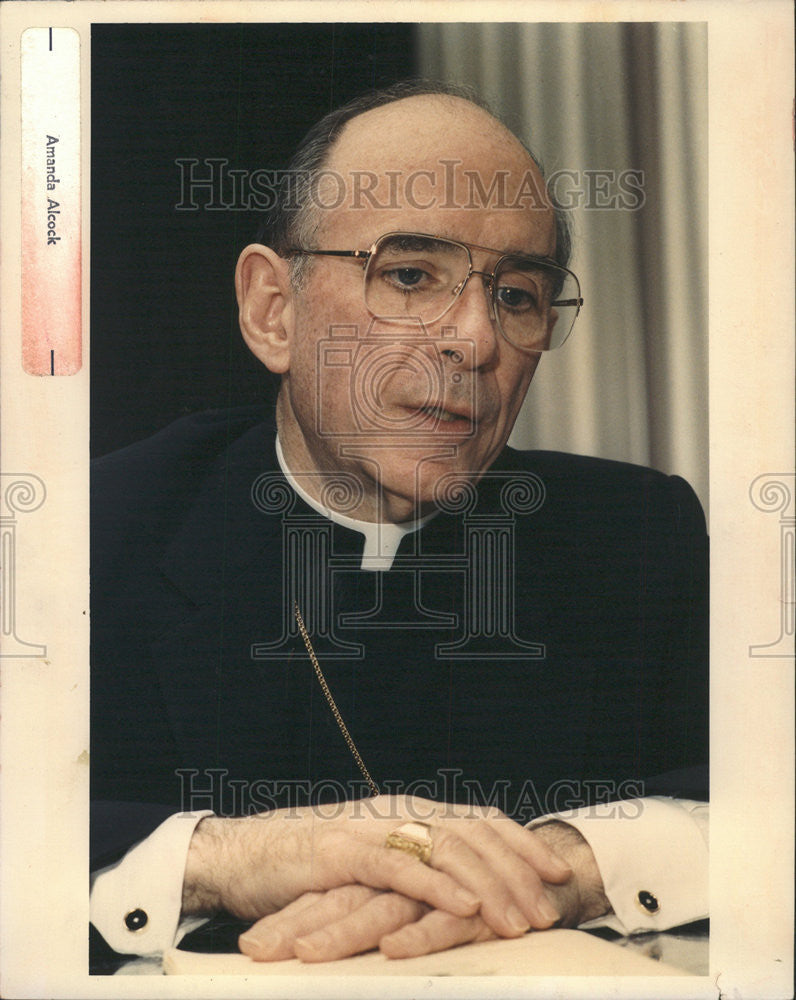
612, 110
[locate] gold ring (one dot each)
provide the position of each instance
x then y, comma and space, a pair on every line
412, 838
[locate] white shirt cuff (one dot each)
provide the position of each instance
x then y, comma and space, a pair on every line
652, 854
135, 903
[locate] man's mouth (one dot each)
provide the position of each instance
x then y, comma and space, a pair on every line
443, 415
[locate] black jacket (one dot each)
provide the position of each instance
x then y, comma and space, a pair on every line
545, 647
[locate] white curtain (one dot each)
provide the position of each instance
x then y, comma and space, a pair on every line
627, 100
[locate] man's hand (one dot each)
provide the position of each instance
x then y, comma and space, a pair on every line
481, 863
322, 927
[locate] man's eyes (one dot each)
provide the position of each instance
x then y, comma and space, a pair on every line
407, 278
517, 299
514, 294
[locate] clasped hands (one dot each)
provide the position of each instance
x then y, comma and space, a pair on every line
321, 884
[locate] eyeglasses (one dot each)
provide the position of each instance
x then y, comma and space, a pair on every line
533, 300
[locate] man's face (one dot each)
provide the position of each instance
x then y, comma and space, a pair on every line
392, 403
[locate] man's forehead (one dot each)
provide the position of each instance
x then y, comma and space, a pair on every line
423, 131
438, 165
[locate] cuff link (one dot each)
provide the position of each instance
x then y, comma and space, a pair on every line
647, 903
136, 920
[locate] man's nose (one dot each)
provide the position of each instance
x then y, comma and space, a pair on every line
474, 322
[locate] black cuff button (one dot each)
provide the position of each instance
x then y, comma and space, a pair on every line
136, 920
648, 902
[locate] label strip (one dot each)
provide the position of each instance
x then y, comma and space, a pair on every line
51, 217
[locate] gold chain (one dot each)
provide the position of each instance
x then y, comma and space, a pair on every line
335, 711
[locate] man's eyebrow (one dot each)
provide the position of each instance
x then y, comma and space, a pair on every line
523, 252
515, 251
408, 241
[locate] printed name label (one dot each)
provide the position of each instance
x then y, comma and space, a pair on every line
51, 216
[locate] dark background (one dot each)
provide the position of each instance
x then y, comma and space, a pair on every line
164, 330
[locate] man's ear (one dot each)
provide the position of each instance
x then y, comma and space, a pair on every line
265, 305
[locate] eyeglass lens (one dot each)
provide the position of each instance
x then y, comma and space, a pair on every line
419, 277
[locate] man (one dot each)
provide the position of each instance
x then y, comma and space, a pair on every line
526, 631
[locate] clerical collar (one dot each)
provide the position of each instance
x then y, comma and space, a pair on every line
381, 539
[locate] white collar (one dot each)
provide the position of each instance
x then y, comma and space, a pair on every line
381, 539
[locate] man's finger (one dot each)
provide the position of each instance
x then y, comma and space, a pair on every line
538, 854
534, 850
512, 895
434, 932
361, 930
272, 939
385, 868
510, 886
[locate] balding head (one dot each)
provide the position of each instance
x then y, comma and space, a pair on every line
423, 126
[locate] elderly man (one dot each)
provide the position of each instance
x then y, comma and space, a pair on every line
341, 658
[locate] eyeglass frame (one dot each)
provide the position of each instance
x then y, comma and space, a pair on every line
366, 255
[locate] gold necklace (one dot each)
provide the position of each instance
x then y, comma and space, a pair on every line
335, 711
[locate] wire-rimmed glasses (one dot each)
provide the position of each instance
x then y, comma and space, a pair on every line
416, 276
